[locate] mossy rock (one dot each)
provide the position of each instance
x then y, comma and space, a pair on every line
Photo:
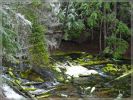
10, 72
31, 75
89, 56
60, 79
110, 68
29, 89
61, 53
25, 74
92, 63
40, 97
59, 76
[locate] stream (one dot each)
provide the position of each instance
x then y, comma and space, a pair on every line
77, 75
74, 74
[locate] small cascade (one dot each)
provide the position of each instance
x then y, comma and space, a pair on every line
11, 94
6, 91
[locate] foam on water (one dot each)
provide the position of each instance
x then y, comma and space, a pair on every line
11, 94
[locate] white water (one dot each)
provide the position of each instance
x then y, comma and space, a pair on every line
78, 70
8, 91
75, 70
11, 94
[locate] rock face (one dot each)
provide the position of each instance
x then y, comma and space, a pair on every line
48, 17
45, 73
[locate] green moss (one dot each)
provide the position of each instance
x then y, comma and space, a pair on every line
88, 63
25, 74
10, 72
38, 51
59, 75
31, 75
110, 68
18, 81
43, 96
89, 56
29, 89
59, 53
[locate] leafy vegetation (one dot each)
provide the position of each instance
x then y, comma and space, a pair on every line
38, 48
39, 53
91, 16
8, 37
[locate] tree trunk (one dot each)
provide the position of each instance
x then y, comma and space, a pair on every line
100, 37
92, 35
115, 10
104, 28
